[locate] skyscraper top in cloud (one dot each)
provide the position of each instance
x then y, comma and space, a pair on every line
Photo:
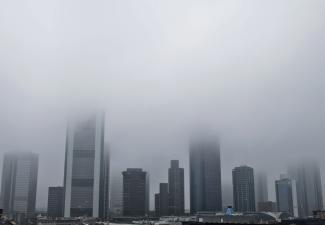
86, 168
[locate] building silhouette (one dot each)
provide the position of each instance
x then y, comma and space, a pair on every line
135, 192
176, 189
55, 202
86, 168
309, 186
205, 175
243, 188
19, 185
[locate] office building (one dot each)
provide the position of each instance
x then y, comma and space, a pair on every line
244, 189
162, 200
309, 187
205, 175
19, 184
55, 203
176, 189
86, 168
135, 192
286, 196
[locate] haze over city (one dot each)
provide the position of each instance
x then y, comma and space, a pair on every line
251, 73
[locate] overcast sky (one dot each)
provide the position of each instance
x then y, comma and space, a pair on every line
252, 71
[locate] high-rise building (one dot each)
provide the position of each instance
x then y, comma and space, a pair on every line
135, 192
261, 189
162, 200
19, 184
244, 190
286, 196
205, 175
86, 168
55, 203
116, 194
176, 189
309, 187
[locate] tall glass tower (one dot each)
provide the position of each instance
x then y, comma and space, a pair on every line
205, 175
86, 168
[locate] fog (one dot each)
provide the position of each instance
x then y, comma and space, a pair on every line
252, 71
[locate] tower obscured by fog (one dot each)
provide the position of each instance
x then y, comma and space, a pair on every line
135, 192
309, 187
205, 175
286, 195
86, 168
19, 184
244, 189
261, 188
176, 189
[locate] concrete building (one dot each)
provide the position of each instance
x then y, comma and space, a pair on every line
176, 189
86, 177
55, 202
205, 175
244, 189
19, 185
309, 187
135, 192
286, 196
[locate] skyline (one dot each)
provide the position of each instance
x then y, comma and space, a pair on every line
252, 72
289, 167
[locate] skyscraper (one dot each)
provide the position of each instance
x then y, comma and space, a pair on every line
205, 175
261, 189
244, 191
19, 184
309, 187
162, 200
55, 203
135, 192
176, 189
86, 168
286, 196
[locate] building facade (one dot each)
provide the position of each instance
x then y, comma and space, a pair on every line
176, 189
243, 189
135, 192
86, 168
55, 202
19, 184
205, 175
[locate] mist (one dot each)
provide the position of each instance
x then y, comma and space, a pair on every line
251, 71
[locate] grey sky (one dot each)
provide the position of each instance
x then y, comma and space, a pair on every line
252, 70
